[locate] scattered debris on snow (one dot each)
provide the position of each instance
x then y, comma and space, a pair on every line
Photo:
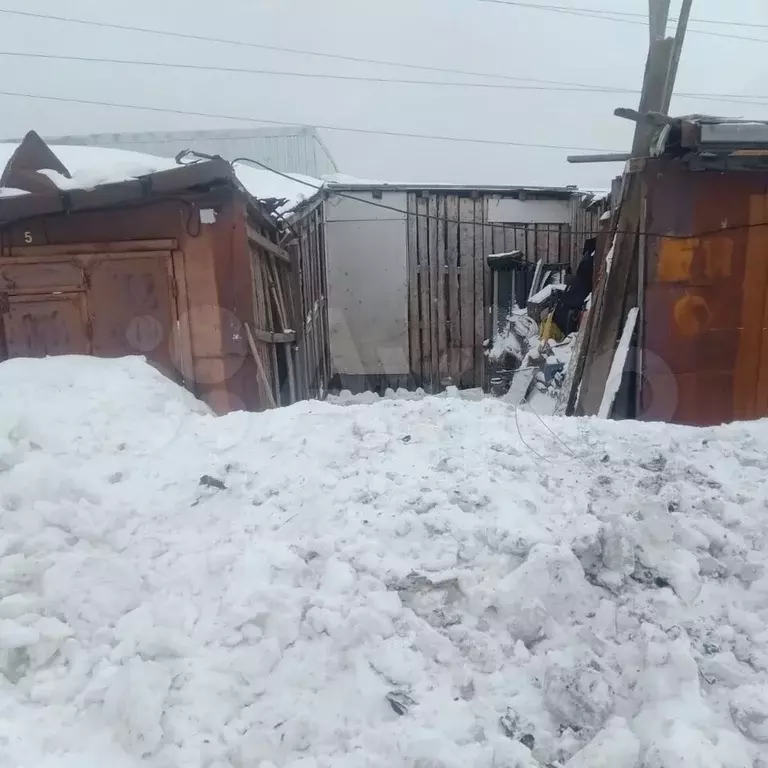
397, 584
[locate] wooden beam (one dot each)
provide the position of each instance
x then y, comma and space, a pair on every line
655, 119
258, 239
613, 383
610, 300
652, 96
80, 249
260, 367
610, 157
677, 49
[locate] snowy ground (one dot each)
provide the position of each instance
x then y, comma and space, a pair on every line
397, 584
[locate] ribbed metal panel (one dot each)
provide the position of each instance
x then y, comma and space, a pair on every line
290, 150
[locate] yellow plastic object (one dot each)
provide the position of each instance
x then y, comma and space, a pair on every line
549, 330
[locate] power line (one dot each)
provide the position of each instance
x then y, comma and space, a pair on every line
451, 220
265, 47
527, 83
633, 14
550, 85
168, 110
342, 57
621, 17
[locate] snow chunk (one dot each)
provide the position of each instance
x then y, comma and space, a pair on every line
135, 705
614, 747
15, 635
749, 709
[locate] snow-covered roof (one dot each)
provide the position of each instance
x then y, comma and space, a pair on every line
268, 185
91, 167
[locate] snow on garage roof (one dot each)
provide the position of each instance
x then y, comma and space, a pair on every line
91, 167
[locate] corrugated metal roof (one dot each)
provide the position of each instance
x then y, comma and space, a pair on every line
363, 185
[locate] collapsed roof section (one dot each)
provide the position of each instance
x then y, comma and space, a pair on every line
36, 179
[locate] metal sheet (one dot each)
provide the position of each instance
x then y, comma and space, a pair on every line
368, 287
40, 276
706, 296
734, 133
52, 324
130, 306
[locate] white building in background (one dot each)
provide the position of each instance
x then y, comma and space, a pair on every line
293, 149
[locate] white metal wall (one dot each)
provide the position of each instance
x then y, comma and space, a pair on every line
511, 210
366, 252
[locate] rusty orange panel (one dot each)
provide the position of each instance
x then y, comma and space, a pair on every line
706, 294
748, 363
687, 398
695, 261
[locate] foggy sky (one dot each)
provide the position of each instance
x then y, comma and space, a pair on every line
463, 34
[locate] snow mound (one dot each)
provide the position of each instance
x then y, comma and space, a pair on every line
396, 584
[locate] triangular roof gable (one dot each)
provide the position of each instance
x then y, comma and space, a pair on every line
31, 156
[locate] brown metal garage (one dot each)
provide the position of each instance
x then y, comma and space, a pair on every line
179, 265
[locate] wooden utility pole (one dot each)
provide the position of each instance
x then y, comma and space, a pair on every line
658, 16
618, 288
682, 28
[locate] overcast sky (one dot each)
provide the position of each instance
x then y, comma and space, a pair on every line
456, 34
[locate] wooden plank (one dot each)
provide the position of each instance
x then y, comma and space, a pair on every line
498, 244
520, 242
619, 363
314, 250
260, 368
183, 337
530, 242
291, 373
610, 301
276, 375
425, 320
453, 330
36, 251
272, 282
266, 243
267, 319
434, 346
414, 321
440, 298
282, 309
466, 289
483, 246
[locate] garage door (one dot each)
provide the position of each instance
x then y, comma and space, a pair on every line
53, 324
107, 305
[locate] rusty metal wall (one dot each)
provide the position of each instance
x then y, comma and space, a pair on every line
151, 280
705, 304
